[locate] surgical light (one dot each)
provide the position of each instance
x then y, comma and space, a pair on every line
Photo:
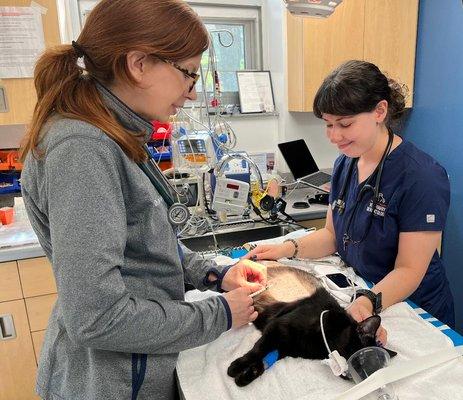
312, 8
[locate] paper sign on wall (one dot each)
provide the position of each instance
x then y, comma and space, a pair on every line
255, 91
21, 41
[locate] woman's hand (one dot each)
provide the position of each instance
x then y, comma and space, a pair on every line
271, 251
241, 306
361, 309
246, 274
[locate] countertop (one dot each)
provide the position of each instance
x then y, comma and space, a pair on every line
314, 211
21, 252
31, 250
18, 241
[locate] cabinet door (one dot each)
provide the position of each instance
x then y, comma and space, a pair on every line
390, 38
10, 288
37, 339
326, 43
36, 277
17, 359
38, 310
295, 58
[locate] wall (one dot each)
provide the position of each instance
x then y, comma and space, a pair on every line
253, 133
264, 133
292, 125
436, 121
11, 135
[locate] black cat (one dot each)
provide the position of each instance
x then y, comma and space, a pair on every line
293, 328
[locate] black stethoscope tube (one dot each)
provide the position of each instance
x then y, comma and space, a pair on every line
157, 178
339, 204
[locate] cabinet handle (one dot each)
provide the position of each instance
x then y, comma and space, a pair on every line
7, 330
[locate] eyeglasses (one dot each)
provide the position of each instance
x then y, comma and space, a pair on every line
184, 71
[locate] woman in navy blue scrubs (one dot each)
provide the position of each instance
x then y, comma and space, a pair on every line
389, 200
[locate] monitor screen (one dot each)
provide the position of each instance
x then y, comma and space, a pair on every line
297, 156
192, 146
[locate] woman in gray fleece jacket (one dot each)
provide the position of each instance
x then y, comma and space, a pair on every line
120, 319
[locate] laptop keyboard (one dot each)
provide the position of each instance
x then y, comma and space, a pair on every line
318, 179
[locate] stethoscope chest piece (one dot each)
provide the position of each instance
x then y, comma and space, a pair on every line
178, 214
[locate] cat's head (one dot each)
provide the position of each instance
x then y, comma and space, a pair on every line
366, 333
352, 335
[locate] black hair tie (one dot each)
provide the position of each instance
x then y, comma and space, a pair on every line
78, 50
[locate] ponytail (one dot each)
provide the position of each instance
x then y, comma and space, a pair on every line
63, 87
397, 99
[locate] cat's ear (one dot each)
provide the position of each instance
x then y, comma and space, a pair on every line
367, 329
392, 353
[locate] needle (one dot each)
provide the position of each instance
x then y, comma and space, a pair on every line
261, 290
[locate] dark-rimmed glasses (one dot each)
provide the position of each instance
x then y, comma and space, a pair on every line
184, 71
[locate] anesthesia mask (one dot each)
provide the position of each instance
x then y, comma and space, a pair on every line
360, 365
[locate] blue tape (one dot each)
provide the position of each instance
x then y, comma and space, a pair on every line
456, 338
238, 253
270, 359
425, 315
437, 324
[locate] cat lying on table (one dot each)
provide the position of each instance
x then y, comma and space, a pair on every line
289, 318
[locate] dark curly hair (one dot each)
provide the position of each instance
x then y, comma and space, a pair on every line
356, 87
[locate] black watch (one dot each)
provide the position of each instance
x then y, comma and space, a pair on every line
376, 299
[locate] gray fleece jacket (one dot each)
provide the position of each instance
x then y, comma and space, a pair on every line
120, 319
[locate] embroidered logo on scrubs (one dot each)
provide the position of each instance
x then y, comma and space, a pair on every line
430, 218
380, 208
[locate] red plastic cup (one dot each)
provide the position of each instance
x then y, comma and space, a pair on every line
6, 215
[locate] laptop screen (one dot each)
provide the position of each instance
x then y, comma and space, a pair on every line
297, 156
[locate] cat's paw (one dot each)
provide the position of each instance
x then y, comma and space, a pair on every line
250, 373
237, 366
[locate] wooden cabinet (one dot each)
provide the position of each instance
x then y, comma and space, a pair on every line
18, 366
37, 340
317, 46
10, 286
391, 26
39, 309
36, 277
380, 31
27, 296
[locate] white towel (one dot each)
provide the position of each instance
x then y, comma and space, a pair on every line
203, 371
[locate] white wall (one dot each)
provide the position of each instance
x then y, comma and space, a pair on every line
256, 133
288, 126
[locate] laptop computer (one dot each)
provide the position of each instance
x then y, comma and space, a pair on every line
302, 165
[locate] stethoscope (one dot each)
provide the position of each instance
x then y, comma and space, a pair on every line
178, 213
339, 204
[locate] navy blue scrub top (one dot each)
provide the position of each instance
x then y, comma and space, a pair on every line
414, 196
